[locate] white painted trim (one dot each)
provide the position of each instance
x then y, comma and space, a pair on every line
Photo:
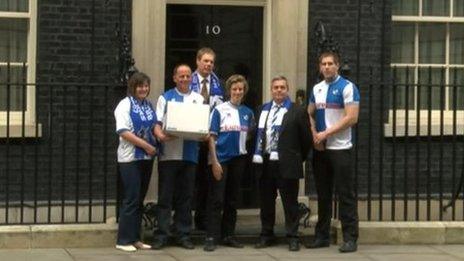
221, 2
16, 117
400, 126
426, 19
274, 26
16, 14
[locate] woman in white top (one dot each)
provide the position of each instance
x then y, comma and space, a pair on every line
135, 121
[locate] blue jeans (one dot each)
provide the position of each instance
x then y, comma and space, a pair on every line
135, 177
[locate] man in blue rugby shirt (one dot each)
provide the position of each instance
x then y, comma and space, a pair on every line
176, 168
333, 109
206, 83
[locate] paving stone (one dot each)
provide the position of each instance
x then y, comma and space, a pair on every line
281, 252
454, 250
397, 249
35, 254
412, 257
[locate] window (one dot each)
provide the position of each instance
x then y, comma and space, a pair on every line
17, 66
427, 60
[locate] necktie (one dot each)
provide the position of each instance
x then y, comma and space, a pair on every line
204, 91
274, 132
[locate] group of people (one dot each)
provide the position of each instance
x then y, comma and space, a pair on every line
284, 134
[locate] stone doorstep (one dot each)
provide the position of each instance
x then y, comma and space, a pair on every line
407, 232
104, 235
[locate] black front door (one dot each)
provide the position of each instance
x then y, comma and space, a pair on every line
235, 33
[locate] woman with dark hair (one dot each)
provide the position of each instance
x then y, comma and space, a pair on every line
230, 124
135, 121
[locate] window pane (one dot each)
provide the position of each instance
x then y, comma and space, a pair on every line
435, 7
405, 7
16, 81
402, 43
457, 81
458, 7
435, 79
14, 5
403, 79
432, 41
457, 43
13, 40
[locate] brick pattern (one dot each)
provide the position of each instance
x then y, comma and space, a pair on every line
77, 72
388, 156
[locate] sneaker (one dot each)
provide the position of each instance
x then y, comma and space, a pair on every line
141, 246
126, 248
158, 244
348, 247
210, 245
231, 242
318, 243
294, 244
186, 243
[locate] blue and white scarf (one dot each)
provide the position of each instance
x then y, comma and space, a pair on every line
216, 93
261, 133
143, 120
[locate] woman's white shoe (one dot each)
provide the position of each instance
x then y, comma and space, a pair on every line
126, 248
141, 246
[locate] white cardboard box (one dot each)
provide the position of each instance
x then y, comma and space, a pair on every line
187, 120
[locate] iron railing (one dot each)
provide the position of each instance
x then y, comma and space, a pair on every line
58, 162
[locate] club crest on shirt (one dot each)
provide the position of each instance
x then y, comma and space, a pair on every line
245, 117
335, 92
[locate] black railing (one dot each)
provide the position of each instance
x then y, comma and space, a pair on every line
411, 146
57, 152
58, 159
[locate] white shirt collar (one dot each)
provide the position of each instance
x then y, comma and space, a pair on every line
181, 93
200, 79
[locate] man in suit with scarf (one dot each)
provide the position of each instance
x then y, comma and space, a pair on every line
283, 142
206, 83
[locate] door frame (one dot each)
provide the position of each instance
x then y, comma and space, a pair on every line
286, 56
285, 47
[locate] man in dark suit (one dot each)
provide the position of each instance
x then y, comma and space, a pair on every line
283, 142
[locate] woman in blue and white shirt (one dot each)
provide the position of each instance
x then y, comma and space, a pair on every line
135, 121
231, 123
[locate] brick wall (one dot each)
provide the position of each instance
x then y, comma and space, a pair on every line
387, 156
77, 72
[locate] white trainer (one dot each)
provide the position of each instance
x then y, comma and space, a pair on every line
126, 248
141, 246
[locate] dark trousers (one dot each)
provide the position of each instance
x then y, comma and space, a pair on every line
269, 182
335, 167
175, 191
135, 177
223, 197
201, 185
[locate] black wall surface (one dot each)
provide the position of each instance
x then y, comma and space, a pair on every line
76, 93
383, 164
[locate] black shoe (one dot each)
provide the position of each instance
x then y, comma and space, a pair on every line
231, 242
294, 244
210, 245
264, 242
158, 244
318, 243
348, 247
186, 243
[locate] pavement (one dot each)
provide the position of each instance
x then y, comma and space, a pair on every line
279, 252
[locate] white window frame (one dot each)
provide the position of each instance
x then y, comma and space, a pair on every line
400, 126
16, 117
